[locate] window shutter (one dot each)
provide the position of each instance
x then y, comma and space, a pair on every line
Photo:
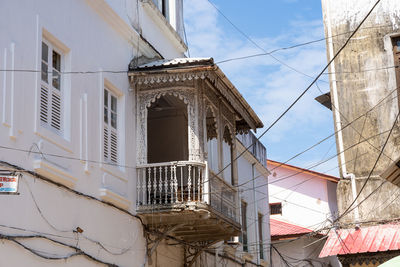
114, 147
44, 107
105, 143
56, 111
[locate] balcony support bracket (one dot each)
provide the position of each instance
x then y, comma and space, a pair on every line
152, 244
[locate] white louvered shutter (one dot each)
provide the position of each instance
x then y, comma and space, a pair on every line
50, 110
110, 133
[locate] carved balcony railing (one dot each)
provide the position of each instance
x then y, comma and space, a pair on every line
170, 183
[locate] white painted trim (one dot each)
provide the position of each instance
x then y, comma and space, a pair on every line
114, 198
54, 173
62, 141
119, 172
12, 93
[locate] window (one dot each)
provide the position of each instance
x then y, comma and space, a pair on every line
162, 5
396, 54
260, 235
110, 129
51, 104
275, 208
244, 226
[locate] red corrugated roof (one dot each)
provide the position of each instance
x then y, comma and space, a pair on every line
284, 229
367, 239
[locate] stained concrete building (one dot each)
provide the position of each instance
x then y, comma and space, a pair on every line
364, 88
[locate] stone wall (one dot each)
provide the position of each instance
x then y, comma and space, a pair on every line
364, 75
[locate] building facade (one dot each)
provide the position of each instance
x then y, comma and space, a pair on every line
364, 86
113, 148
301, 201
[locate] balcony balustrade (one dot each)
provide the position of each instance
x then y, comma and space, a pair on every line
183, 192
170, 184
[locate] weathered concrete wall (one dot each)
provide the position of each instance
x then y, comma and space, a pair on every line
364, 75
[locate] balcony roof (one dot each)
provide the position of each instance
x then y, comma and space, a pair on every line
197, 68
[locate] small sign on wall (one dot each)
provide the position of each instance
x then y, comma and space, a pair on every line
9, 183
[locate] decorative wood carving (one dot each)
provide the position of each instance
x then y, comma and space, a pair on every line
146, 98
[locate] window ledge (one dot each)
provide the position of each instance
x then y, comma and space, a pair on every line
247, 256
54, 173
114, 171
53, 138
114, 198
164, 24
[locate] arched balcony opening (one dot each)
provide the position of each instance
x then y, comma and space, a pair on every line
167, 130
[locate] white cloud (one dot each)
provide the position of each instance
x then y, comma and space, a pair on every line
267, 85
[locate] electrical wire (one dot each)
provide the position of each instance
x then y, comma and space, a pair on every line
381, 101
258, 46
370, 173
305, 91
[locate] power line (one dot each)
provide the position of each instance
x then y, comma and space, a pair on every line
342, 128
134, 167
257, 45
370, 173
312, 83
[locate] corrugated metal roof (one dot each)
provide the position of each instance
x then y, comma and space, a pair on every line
281, 229
367, 239
165, 63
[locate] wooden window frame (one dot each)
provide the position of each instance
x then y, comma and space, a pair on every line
110, 131
51, 104
275, 204
396, 59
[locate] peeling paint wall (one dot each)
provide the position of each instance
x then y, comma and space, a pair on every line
364, 75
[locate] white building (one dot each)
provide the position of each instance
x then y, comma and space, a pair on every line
300, 201
97, 141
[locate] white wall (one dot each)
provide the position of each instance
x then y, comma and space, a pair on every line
260, 198
306, 200
90, 43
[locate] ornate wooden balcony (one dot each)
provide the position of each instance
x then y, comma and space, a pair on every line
184, 194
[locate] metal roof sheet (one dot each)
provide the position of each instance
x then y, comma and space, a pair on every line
367, 239
281, 228
165, 63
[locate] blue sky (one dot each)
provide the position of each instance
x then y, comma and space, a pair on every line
267, 85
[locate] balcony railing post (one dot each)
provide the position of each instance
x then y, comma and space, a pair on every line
154, 185
160, 185
189, 185
138, 188
182, 184
172, 183
205, 183
199, 183
148, 185
144, 199
166, 185
175, 184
